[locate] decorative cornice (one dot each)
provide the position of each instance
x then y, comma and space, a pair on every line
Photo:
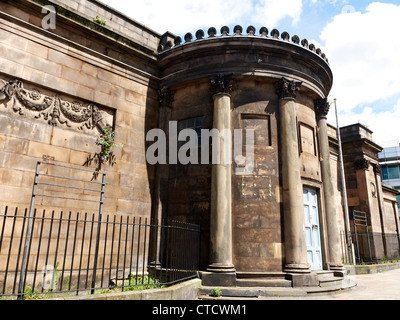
52, 108
166, 97
237, 32
321, 107
287, 89
221, 83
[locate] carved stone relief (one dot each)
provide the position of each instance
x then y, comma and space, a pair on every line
31, 103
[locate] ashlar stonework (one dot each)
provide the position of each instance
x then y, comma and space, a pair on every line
59, 87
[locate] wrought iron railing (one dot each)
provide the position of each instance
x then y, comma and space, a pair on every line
371, 247
80, 253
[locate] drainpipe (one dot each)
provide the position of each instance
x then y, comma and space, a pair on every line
344, 191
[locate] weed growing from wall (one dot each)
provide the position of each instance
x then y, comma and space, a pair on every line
106, 142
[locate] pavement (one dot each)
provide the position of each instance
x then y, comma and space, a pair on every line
373, 285
377, 286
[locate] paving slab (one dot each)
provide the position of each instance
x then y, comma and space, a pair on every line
376, 286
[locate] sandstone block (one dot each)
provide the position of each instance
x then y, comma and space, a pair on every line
37, 150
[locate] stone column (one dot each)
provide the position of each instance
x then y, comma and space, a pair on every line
335, 258
292, 188
166, 98
379, 195
221, 211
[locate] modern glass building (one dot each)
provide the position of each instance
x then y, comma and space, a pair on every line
389, 160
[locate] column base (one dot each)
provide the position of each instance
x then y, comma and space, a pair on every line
338, 270
303, 279
218, 279
219, 274
297, 268
335, 267
221, 268
301, 275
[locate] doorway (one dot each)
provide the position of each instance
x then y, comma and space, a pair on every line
312, 227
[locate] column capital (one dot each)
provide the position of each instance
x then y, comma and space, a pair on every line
377, 168
221, 83
287, 89
321, 107
165, 97
362, 164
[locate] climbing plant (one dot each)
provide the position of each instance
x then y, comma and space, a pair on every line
106, 155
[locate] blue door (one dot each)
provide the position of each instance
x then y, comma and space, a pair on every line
312, 227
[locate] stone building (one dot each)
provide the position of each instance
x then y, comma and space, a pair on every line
368, 196
389, 161
60, 86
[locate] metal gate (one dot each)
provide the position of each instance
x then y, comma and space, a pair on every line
59, 182
362, 238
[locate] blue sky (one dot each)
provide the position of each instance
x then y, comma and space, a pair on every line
359, 38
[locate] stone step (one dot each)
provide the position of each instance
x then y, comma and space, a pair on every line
263, 282
251, 292
344, 285
330, 282
256, 275
322, 274
328, 278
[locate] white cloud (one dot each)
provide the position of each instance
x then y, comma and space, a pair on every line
364, 54
270, 12
383, 124
181, 16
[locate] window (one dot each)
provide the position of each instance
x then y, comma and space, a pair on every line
390, 172
394, 172
193, 123
385, 173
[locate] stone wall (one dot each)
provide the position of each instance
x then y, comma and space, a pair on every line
336, 177
365, 191
186, 189
307, 133
391, 222
46, 72
60, 87
256, 206
115, 21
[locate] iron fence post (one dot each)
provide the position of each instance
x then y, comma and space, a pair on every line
28, 235
96, 254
